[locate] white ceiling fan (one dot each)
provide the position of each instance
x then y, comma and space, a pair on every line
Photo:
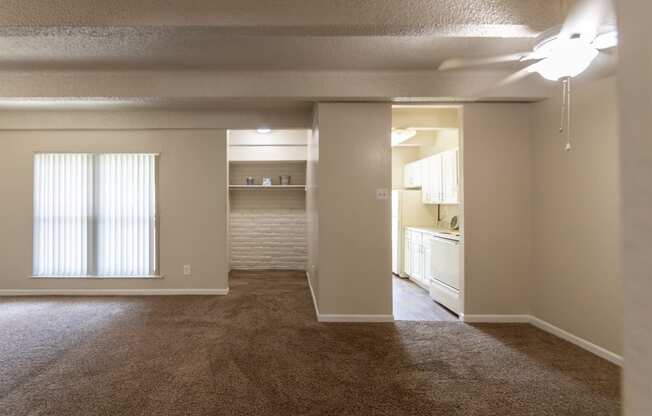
560, 53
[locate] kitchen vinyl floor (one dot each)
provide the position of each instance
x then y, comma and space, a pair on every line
413, 303
260, 351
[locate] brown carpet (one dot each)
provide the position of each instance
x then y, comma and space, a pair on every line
259, 351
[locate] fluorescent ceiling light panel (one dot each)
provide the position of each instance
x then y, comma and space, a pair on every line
401, 135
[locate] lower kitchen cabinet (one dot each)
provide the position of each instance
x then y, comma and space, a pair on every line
427, 259
417, 263
432, 260
407, 252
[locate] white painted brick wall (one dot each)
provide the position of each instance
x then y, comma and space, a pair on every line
268, 229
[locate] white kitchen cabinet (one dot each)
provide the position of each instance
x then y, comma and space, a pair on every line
440, 178
426, 180
435, 172
427, 258
431, 190
449, 177
407, 252
412, 175
417, 257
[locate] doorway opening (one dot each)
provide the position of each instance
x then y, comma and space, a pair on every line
266, 201
427, 213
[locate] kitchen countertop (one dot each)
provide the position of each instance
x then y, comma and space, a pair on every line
438, 232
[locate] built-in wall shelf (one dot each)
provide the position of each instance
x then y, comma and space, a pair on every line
266, 187
239, 171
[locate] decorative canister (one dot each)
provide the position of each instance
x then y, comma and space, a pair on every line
250, 180
285, 179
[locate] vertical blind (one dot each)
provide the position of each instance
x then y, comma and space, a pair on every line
95, 215
63, 214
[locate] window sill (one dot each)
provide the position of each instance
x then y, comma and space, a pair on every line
100, 277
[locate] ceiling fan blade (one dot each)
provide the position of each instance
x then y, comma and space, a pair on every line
584, 18
516, 76
606, 40
494, 88
463, 63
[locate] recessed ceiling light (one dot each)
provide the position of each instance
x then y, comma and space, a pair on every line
264, 131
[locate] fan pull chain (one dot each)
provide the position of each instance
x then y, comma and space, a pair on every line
563, 106
566, 111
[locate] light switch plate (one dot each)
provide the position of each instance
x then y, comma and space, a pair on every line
187, 271
382, 193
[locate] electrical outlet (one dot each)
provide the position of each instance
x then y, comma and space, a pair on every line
382, 194
186, 270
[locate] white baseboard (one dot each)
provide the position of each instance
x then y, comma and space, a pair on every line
574, 339
354, 318
312, 293
344, 318
495, 318
550, 328
111, 292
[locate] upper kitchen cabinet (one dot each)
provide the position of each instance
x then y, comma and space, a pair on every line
431, 191
412, 175
440, 178
449, 177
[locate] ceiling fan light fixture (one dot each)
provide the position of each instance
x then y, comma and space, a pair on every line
568, 58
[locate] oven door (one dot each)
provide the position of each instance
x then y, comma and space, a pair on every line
445, 256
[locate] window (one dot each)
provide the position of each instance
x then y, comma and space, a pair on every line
95, 215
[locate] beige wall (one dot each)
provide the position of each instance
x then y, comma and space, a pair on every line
496, 202
576, 222
635, 151
192, 203
192, 193
354, 226
231, 118
312, 205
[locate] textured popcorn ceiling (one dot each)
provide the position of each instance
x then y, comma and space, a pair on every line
204, 47
129, 53
302, 17
262, 35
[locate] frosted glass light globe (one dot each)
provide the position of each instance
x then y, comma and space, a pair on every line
568, 58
